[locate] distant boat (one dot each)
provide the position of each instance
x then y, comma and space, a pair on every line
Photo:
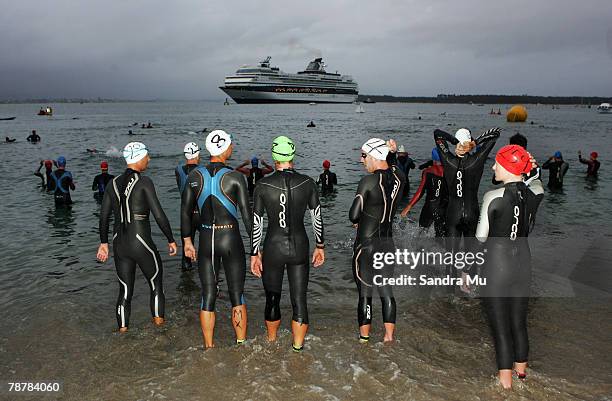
312, 103
45, 111
368, 100
359, 109
7, 118
604, 108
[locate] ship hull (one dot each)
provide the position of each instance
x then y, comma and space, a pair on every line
280, 95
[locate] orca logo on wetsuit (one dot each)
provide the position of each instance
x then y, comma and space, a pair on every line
281, 214
217, 140
368, 312
459, 184
438, 188
514, 228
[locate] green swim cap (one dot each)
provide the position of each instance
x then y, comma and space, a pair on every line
283, 149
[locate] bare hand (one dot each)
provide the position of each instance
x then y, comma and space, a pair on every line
406, 211
392, 145
318, 257
189, 249
172, 248
102, 254
256, 265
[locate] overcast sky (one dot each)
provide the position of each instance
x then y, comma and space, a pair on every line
182, 49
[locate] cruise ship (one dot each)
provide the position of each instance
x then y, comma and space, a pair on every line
266, 84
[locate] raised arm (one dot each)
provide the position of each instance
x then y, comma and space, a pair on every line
156, 209
267, 168
442, 139
242, 168
315, 212
486, 141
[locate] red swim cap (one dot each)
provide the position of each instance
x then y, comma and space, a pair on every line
594, 155
104, 166
326, 164
48, 163
514, 159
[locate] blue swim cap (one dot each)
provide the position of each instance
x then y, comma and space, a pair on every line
61, 161
254, 161
558, 155
435, 156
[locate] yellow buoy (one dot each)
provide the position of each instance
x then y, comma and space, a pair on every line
516, 114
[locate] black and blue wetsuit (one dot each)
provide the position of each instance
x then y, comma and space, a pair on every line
62, 183
284, 196
100, 183
181, 174
462, 175
131, 199
506, 218
373, 210
217, 192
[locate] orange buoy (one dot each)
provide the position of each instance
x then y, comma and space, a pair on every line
517, 114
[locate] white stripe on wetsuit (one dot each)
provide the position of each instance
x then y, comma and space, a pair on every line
155, 275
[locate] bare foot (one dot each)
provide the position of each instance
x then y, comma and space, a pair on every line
123, 330
158, 321
505, 378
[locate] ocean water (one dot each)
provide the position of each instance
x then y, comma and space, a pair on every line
58, 302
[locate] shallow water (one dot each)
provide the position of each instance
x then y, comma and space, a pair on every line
58, 303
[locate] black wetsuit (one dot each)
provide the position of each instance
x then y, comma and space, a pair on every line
33, 138
506, 218
62, 183
436, 199
181, 174
405, 164
557, 170
462, 175
284, 196
131, 198
327, 180
217, 192
255, 174
100, 183
593, 166
373, 209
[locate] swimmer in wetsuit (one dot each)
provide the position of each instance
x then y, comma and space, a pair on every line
373, 209
131, 199
218, 192
284, 196
516, 139
63, 183
33, 137
101, 181
327, 179
49, 183
506, 218
434, 185
557, 168
462, 172
255, 173
182, 171
593, 164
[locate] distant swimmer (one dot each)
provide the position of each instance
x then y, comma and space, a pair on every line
284, 196
327, 179
47, 182
405, 164
462, 172
100, 182
372, 211
593, 164
507, 216
149, 125
10, 140
33, 137
311, 124
130, 132
218, 192
63, 183
255, 173
557, 168
131, 200
434, 185
91, 150
191, 151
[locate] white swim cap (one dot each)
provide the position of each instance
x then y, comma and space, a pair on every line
463, 135
217, 142
191, 150
134, 152
377, 148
